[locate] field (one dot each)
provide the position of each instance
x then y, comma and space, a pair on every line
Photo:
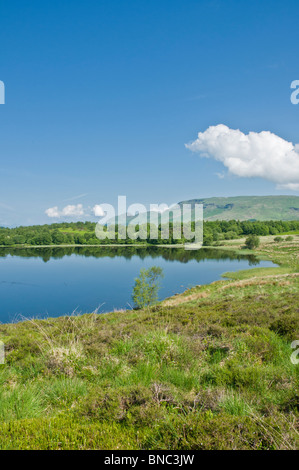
208, 369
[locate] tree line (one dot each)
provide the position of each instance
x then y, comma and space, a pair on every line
83, 233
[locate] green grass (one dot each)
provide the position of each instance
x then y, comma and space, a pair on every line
207, 369
74, 232
292, 232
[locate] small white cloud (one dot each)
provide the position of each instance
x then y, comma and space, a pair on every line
73, 210
67, 211
98, 211
263, 154
52, 212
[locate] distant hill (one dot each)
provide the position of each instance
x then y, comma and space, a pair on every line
238, 208
249, 207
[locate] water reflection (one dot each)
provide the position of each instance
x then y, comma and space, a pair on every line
128, 252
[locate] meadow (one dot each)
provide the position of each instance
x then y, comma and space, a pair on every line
206, 369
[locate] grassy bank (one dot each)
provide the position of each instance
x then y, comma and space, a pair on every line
207, 369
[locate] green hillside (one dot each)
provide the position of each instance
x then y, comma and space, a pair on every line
249, 207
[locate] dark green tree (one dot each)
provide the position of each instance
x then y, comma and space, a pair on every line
58, 237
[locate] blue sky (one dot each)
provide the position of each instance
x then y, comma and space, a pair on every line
102, 96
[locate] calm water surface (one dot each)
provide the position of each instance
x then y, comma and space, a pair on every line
57, 281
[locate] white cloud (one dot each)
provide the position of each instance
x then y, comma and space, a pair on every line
98, 211
73, 210
67, 211
52, 212
263, 154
